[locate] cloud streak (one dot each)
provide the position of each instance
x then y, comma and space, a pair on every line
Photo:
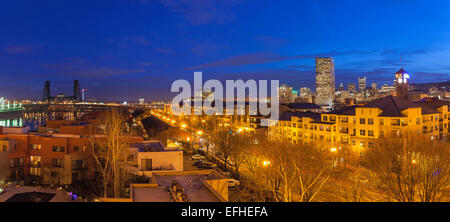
268, 57
199, 12
22, 49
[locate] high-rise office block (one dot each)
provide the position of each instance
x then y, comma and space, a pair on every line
76, 91
285, 93
362, 83
305, 91
351, 87
325, 82
46, 95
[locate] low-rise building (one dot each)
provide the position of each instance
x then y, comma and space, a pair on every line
360, 126
151, 156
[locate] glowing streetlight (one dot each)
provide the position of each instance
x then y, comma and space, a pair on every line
333, 149
414, 161
183, 126
199, 132
173, 121
266, 163
239, 130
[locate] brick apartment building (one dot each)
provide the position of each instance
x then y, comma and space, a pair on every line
60, 155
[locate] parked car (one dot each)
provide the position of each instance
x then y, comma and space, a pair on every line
197, 157
197, 163
207, 165
233, 182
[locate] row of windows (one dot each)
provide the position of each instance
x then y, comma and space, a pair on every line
59, 148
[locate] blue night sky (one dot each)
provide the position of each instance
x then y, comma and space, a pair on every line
130, 49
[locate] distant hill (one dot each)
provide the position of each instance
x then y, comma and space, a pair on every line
426, 86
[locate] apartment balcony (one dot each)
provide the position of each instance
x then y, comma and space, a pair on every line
343, 131
34, 165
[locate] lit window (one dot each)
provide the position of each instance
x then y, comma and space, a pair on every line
362, 121
36, 146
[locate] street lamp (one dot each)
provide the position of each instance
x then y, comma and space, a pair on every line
199, 132
183, 126
333, 149
266, 163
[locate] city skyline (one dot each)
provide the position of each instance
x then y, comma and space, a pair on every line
169, 40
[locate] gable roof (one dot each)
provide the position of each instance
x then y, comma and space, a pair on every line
349, 111
391, 106
433, 104
303, 106
286, 116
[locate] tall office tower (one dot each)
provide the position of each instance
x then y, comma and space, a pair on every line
141, 101
362, 83
351, 87
76, 91
401, 83
374, 86
46, 95
341, 88
305, 92
285, 93
325, 85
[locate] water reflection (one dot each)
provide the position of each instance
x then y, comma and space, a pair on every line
33, 120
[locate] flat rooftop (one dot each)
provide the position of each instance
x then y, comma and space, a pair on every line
33, 194
150, 194
193, 186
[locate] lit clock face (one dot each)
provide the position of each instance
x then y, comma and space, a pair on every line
400, 80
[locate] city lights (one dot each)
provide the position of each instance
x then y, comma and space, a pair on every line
225, 101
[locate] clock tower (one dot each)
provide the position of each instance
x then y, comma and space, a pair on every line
401, 84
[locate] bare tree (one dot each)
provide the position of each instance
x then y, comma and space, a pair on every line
295, 172
355, 185
102, 157
116, 142
410, 167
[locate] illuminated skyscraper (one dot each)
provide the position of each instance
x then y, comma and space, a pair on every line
325, 82
285, 93
351, 87
362, 83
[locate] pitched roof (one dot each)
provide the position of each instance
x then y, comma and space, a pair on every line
391, 106
349, 111
433, 104
286, 116
303, 106
401, 71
